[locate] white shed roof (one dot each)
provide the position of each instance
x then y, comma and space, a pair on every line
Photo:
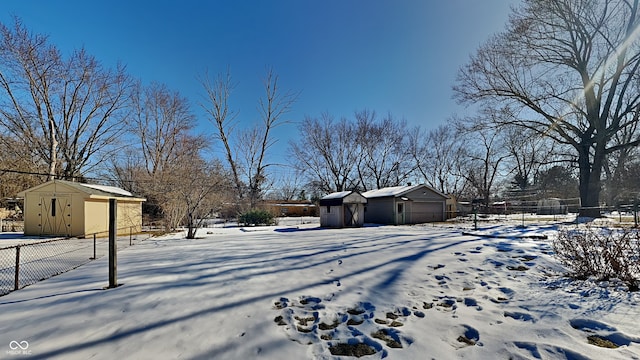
92, 190
108, 189
398, 191
337, 195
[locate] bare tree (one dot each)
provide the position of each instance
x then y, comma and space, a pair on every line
289, 186
18, 166
161, 118
619, 186
222, 117
165, 162
197, 187
569, 70
383, 159
273, 106
528, 151
327, 153
436, 156
69, 111
481, 163
249, 158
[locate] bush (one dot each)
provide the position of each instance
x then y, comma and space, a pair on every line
256, 217
601, 253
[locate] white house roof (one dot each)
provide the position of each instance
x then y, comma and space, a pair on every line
397, 191
389, 191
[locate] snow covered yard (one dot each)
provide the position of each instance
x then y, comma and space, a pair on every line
301, 292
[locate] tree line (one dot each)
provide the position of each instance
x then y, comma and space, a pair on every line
465, 158
557, 98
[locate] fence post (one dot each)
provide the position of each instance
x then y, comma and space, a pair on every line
94, 247
475, 218
130, 234
16, 283
113, 263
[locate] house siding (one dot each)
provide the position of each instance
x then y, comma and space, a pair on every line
380, 211
396, 207
332, 216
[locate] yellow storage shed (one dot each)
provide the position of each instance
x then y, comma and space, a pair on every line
65, 208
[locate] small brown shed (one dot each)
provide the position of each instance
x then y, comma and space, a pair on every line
65, 208
342, 209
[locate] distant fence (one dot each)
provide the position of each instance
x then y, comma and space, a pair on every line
33, 260
11, 226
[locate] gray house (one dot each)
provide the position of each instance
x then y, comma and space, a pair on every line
411, 204
342, 209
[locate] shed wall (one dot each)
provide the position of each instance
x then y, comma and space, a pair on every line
331, 216
42, 219
60, 210
354, 198
128, 217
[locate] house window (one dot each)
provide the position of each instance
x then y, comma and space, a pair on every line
328, 209
53, 207
400, 206
285, 210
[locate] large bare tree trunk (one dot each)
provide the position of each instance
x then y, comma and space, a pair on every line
53, 151
248, 159
222, 117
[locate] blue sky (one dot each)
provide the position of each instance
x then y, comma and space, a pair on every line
342, 55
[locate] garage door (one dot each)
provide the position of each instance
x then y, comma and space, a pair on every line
422, 212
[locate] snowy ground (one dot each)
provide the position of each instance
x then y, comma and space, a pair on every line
301, 292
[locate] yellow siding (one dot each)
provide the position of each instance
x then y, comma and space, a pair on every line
96, 215
129, 217
31, 214
39, 219
76, 213
77, 223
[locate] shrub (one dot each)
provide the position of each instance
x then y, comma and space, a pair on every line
256, 217
601, 253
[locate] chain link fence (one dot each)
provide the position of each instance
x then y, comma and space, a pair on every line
32, 261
